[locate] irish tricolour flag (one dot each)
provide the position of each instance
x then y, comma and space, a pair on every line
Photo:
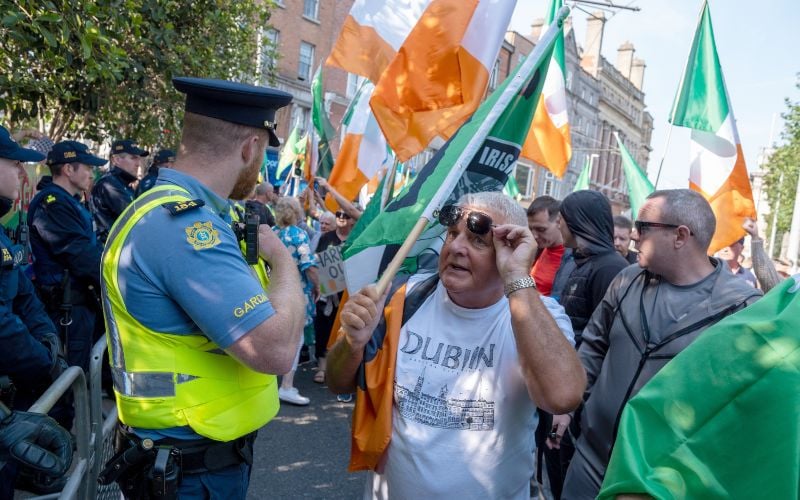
717, 170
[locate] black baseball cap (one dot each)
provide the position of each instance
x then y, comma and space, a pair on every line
234, 102
73, 152
9, 149
127, 146
163, 156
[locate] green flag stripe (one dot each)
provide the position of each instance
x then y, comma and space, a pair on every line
639, 186
701, 102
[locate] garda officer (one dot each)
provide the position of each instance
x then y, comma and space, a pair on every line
195, 341
164, 158
29, 346
65, 250
113, 192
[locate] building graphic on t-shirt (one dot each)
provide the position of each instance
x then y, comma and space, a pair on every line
441, 411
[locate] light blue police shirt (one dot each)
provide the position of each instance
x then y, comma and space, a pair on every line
184, 274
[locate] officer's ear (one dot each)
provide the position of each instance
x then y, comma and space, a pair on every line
252, 147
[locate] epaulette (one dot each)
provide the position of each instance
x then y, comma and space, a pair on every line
178, 207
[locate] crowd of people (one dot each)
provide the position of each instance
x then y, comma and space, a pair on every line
523, 348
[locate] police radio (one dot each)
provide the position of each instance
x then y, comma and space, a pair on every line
251, 239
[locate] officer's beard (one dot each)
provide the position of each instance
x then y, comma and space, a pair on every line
246, 181
5, 205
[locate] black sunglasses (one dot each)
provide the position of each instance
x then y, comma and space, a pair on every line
477, 222
642, 225
342, 215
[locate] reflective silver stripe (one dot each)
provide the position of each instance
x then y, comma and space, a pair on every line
117, 359
144, 385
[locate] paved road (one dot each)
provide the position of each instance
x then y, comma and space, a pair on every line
303, 451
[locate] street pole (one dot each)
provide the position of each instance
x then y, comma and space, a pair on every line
774, 228
794, 232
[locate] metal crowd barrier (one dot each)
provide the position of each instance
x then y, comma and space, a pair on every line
94, 433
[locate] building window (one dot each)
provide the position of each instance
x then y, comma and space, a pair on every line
306, 61
353, 83
493, 75
300, 119
311, 9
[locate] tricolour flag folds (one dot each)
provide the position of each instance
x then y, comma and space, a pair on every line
294, 148
479, 157
718, 170
639, 186
323, 159
363, 150
548, 142
440, 74
372, 33
720, 420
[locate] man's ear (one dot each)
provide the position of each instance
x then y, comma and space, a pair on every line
251, 147
684, 233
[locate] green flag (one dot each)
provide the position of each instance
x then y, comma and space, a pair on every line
639, 186
585, 176
721, 419
511, 189
323, 128
294, 148
478, 157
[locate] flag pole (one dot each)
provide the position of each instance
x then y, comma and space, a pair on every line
522, 76
680, 87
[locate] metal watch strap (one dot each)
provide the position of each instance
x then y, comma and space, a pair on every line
519, 284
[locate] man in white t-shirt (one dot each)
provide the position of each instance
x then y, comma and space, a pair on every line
449, 376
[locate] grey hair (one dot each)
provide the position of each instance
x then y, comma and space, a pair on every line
497, 202
329, 216
264, 188
688, 208
288, 211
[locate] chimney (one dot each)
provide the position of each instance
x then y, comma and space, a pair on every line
625, 59
637, 73
594, 42
536, 29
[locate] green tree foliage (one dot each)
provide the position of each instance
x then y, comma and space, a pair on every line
783, 168
100, 69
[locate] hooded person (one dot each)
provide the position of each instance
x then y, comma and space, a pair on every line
588, 228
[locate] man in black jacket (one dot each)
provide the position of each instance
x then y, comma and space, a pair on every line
588, 228
113, 192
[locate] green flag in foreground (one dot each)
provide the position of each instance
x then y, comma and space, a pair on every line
639, 186
478, 157
721, 419
586, 175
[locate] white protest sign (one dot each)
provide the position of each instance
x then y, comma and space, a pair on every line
331, 271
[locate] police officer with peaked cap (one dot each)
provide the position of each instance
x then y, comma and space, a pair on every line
164, 158
113, 192
29, 346
65, 250
195, 340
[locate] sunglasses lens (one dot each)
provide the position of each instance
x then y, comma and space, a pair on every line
479, 223
449, 215
342, 215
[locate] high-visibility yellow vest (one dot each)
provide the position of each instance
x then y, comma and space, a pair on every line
163, 380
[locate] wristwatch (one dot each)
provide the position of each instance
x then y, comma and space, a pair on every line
519, 284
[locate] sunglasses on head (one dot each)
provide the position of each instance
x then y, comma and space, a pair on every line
641, 226
477, 222
342, 215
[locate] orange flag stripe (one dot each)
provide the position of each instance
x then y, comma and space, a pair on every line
361, 50
731, 204
547, 145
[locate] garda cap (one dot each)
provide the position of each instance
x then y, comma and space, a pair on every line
73, 152
163, 156
10, 150
127, 146
234, 102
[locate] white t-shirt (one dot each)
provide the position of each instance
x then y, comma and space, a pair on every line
463, 422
